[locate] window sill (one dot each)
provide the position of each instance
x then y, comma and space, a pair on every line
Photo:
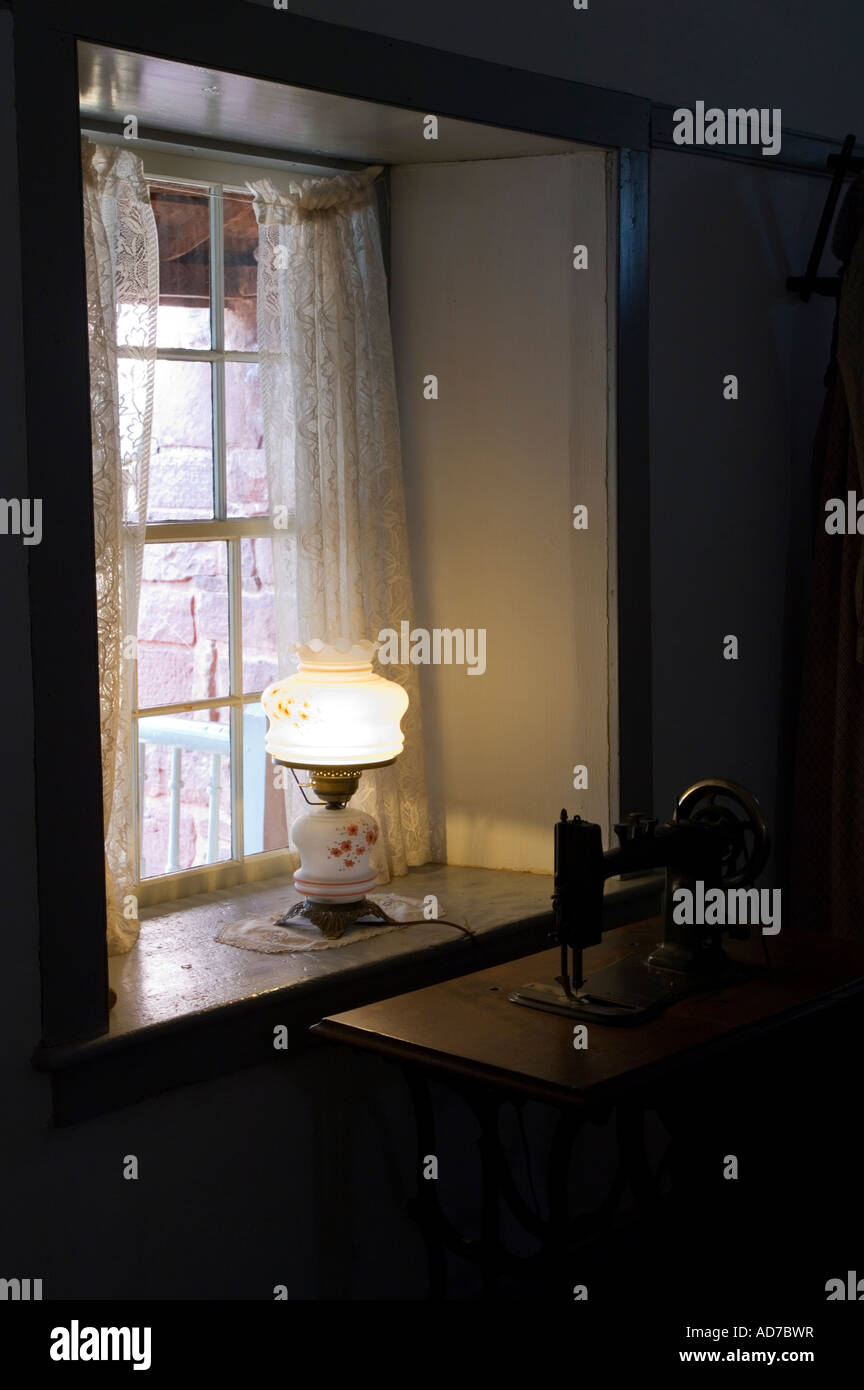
190, 1008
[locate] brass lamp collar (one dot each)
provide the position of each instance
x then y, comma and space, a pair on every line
335, 785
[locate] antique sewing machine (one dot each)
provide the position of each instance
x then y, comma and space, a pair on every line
717, 837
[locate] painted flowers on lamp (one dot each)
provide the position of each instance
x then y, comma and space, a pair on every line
355, 841
301, 714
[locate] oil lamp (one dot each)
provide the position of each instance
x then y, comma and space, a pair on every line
334, 717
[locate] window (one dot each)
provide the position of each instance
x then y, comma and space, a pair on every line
208, 814
64, 604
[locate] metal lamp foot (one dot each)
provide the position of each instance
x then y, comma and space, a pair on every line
334, 919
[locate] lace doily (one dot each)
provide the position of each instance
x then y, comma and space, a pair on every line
262, 933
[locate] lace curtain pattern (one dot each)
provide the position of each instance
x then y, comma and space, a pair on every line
331, 436
122, 261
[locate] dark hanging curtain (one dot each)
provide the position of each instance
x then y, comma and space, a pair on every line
827, 877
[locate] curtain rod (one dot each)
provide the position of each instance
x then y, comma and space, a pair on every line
242, 153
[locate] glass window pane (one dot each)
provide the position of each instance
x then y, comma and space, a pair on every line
183, 623
260, 666
181, 455
184, 767
183, 226
241, 273
245, 468
265, 805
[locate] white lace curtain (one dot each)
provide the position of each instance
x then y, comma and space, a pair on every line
331, 437
122, 261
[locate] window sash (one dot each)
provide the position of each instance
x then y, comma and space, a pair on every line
239, 867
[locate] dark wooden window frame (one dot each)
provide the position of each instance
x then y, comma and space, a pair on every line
234, 36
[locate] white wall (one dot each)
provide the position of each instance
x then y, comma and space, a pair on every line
484, 295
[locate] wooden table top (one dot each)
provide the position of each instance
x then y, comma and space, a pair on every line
468, 1026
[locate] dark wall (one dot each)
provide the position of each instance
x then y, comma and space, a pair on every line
801, 56
730, 515
242, 1182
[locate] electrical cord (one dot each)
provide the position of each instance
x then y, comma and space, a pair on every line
434, 921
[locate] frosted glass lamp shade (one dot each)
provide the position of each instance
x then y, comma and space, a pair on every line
334, 711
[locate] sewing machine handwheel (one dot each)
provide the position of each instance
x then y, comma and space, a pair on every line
721, 803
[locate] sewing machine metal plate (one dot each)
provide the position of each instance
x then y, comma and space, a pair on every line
630, 991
